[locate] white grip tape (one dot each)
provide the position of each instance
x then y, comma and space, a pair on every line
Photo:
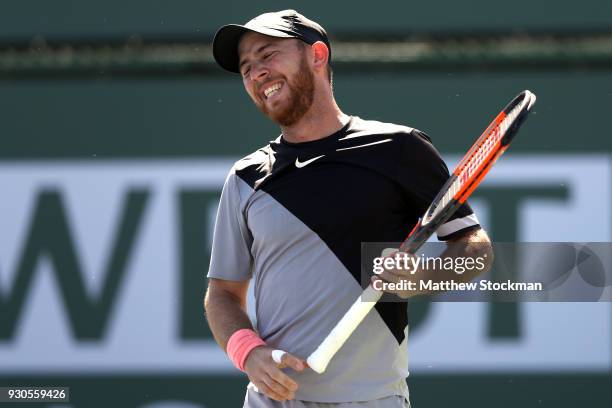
277, 356
321, 357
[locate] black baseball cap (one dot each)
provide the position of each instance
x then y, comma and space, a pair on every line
281, 24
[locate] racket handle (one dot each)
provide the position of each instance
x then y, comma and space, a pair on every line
321, 357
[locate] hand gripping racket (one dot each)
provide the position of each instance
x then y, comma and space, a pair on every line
465, 178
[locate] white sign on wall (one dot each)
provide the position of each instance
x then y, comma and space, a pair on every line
142, 333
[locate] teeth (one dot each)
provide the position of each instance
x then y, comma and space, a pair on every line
269, 91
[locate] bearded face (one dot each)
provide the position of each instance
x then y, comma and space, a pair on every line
299, 95
277, 76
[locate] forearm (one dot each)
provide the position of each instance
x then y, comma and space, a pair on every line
225, 306
475, 246
226, 313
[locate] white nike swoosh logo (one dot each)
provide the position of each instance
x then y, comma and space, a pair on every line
364, 145
306, 163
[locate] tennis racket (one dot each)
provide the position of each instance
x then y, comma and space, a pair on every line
465, 178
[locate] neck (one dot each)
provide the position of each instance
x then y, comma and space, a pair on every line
321, 120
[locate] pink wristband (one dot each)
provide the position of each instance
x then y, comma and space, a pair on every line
240, 345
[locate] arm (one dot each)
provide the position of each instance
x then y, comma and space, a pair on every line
225, 306
472, 244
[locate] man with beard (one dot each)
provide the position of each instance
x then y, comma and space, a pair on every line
293, 215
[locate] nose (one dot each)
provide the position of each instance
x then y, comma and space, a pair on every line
259, 72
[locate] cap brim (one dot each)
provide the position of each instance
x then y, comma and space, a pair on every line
225, 44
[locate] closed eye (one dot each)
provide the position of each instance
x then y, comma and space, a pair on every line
265, 56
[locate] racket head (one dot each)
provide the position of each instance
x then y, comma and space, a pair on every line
472, 169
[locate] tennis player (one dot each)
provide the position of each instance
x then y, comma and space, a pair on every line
292, 218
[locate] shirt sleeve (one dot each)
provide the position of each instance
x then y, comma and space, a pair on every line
231, 255
424, 172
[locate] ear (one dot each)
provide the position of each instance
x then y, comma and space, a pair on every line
321, 54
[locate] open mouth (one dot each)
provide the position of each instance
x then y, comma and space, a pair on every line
272, 90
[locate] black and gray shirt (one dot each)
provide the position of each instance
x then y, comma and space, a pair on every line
293, 217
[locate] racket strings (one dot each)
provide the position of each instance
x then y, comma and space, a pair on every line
450, 193
488, 145
480, 154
